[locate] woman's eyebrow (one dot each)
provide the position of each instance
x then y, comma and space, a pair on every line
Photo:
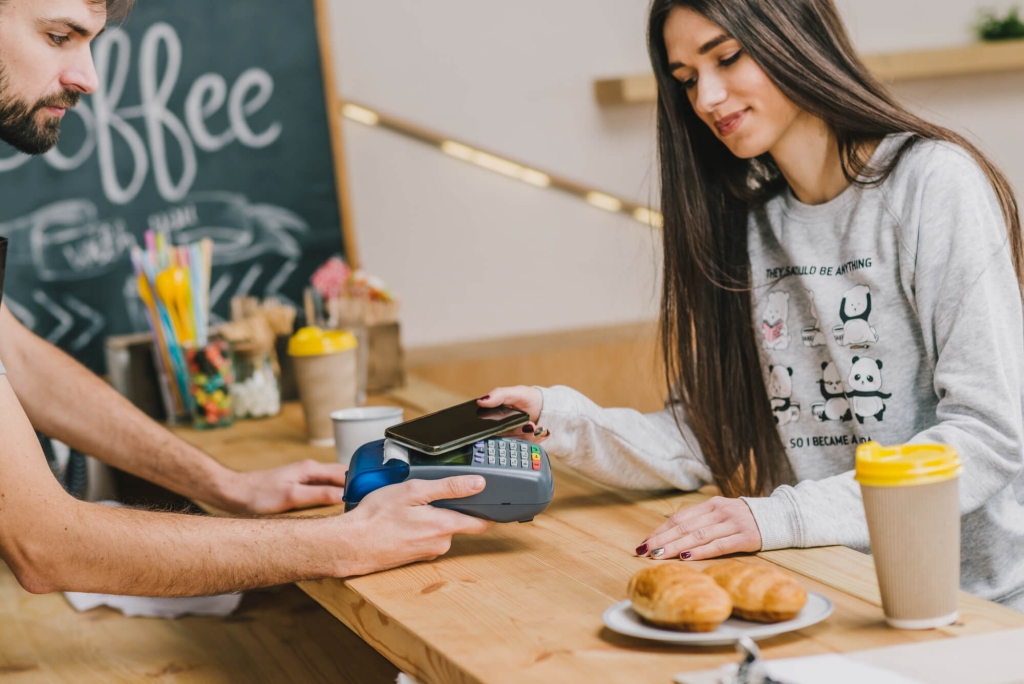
704, 49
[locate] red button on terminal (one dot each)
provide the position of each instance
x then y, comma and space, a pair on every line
536, 465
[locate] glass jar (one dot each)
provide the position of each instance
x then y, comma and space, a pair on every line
210, 385
257, 390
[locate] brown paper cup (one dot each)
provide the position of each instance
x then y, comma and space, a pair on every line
327, 383
915, 541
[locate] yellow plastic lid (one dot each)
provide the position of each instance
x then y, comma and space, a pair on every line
312, 341
906, 464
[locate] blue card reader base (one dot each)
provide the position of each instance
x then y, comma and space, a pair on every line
518, 474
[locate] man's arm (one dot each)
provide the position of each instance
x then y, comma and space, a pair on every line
66, 401
54, 542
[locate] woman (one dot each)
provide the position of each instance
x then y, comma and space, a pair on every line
836, 270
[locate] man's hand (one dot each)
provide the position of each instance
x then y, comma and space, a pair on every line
396, 525
297, 485
717, 527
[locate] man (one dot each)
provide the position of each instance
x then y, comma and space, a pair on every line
54, 542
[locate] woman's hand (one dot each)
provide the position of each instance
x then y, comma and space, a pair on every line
527, 399
717, 527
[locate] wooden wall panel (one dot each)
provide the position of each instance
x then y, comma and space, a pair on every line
616, 366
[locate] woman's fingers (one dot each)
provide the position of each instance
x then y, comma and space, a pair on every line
703, 536
528, 399
713, 528
736, 543
682, 515
496, 397
529, 432
678, 532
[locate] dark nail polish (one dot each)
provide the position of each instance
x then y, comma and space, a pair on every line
684, 555
528, 428
642, 549
485, 397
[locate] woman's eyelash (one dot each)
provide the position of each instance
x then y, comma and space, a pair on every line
731, 59
59, 40
727, 61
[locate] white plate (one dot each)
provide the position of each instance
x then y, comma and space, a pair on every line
621, 618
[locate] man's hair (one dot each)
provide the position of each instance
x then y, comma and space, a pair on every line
116, 9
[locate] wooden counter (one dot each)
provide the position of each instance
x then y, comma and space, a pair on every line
276, 635
523, 602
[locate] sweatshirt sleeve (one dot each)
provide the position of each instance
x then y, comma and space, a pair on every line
956, 269
621, 447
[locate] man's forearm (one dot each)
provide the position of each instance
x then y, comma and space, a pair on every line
66, 401
52, 541
99, 549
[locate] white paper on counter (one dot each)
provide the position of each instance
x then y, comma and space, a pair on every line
831, 668
221, 605
993, 658
834, 669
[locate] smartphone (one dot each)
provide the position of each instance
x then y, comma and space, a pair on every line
456, 426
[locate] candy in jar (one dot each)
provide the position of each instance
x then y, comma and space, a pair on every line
210, 381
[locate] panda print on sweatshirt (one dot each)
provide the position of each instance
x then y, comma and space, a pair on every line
780, 389
846, 390
866, 397
836, 405
855, 331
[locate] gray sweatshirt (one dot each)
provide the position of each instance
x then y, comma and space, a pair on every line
890, 314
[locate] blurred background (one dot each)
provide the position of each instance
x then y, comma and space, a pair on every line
477, 176
517, 79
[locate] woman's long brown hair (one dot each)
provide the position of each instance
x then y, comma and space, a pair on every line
712, 362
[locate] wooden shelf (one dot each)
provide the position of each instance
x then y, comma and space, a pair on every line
980, 58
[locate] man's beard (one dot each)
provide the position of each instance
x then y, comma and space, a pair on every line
18, 125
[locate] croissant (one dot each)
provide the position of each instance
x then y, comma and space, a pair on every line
759, 592
675, 596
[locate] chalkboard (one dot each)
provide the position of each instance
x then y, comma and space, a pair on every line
212, 119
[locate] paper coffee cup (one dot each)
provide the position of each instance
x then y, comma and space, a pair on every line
325, 372
911, 499
355, 427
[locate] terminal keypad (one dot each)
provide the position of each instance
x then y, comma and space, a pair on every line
507, 453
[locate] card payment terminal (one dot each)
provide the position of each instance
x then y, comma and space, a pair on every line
518, 474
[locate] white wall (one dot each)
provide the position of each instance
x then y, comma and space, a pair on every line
475, 255
988, 108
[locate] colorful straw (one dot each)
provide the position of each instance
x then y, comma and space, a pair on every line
178, 316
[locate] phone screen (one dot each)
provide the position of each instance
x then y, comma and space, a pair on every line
456, 426
462, 456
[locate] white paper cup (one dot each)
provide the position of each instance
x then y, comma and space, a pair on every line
354, 427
